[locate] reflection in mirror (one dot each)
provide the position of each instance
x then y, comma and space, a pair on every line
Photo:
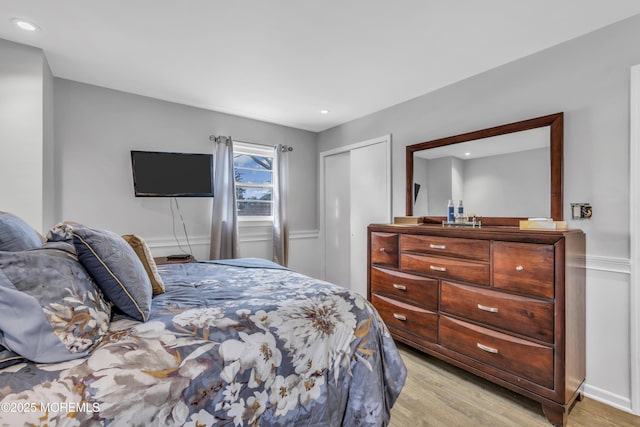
502, 174
505, 175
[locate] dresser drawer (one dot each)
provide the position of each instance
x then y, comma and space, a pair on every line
526, 316
446, 268
520, 357
406, 320
384, 249
446, 246
526, 268
415, 289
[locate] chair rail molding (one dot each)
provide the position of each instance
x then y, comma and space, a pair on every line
608, 264
257, 235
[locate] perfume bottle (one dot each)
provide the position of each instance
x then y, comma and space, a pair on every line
450, 211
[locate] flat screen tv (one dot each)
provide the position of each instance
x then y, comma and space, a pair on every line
160, 174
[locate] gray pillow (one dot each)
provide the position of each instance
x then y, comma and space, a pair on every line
50, 309
17, 235
116, 269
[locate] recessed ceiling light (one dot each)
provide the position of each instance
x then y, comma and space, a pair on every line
467, 154
324, 111
25, 25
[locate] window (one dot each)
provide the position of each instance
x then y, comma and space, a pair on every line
254, 180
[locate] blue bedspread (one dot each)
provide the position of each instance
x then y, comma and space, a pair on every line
225, 345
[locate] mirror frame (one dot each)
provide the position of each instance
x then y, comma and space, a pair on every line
556, 139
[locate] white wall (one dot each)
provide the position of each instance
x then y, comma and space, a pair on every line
22, 133
50, 178
95, 129
527, 196
421, 203
457, 180
486, 184
438, 171
588, 79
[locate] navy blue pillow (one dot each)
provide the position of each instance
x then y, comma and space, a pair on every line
17, 235
116, 269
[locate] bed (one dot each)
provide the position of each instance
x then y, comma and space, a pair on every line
232, 342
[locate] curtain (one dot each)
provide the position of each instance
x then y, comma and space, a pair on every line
280, 220
224, 220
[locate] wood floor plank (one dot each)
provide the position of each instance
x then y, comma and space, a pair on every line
437, 394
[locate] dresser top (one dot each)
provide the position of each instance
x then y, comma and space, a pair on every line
484, 232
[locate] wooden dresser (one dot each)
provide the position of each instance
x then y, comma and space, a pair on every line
505, 304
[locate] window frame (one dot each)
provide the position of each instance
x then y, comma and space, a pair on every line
247, 148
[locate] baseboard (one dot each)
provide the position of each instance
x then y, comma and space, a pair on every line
608, 398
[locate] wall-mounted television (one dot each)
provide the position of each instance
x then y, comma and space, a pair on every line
162, 174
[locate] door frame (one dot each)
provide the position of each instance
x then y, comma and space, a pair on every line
634, 232
321, 194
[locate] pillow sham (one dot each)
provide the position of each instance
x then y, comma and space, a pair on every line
116, 269
143, 252
50, 309
17, 235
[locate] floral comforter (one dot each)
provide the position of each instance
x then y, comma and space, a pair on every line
225, 345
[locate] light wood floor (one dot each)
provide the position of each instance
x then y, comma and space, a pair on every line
438, 394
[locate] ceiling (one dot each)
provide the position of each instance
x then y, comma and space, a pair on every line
282, 61
531, 139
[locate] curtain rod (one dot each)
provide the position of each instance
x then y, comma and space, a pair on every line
284, 148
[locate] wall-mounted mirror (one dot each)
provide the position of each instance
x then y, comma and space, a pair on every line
502, 174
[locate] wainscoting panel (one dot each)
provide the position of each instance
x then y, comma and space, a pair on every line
254, 242
198, 246
608, 345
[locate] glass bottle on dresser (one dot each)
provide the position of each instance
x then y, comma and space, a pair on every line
450, 211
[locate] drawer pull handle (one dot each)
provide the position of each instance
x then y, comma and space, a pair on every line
489, 309
434, 268
487, 349
432, 246
383, 250
400, 317
400, 287
519, 268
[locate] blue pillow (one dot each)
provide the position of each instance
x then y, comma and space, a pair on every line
116, 268
17, 235
50, 309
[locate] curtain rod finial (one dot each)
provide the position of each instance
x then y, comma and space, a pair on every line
212, 138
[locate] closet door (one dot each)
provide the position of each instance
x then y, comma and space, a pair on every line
370, 203
357, 192
337, 240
